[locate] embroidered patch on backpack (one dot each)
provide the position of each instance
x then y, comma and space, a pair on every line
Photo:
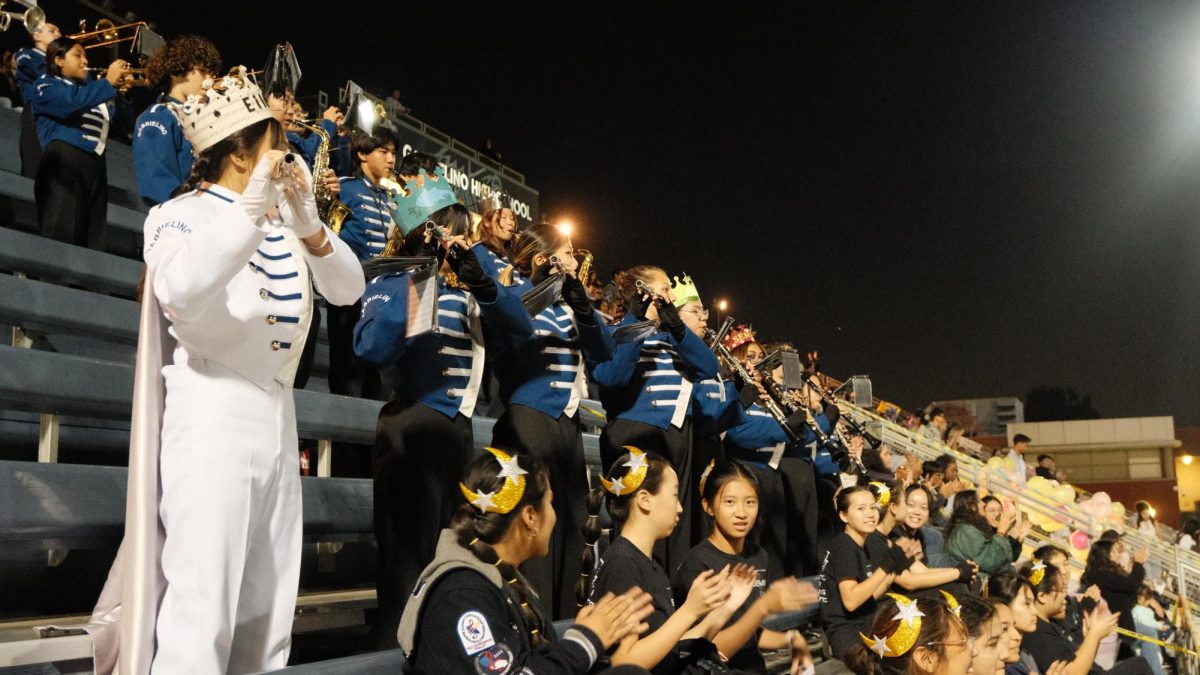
474, 632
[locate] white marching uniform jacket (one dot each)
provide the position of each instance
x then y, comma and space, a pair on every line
214, 486
202, 242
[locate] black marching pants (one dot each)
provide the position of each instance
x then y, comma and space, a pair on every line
771, 530
71, 190
673, 444
31, 148
800, 493
348, 374
417, 460
559, 444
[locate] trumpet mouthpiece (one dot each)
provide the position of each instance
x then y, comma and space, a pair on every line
289, 158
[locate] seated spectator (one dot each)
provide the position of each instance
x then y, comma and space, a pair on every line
971, 538
988, 632
1046, 468
1117, 587
919, 637
890, 499
916, 526
1187, 539
993, 511
1016, 594
1049, 643
934, 428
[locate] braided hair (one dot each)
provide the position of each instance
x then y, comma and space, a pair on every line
478, 531
618, 510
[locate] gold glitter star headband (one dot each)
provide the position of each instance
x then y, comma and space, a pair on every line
884, 494
908, 629
632, 480
952, 603
1037, 572
505, 499
704, 476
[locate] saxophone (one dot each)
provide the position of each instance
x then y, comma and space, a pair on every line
333, 211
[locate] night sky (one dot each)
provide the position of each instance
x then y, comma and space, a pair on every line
959, 199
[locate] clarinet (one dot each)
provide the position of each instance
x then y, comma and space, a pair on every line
854, 426
734, 365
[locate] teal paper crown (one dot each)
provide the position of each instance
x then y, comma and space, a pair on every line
425, 195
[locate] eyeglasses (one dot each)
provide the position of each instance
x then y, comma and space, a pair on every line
701, 314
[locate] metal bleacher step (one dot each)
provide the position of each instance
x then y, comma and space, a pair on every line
25, 642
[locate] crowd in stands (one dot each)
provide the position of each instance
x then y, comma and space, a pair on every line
731, 490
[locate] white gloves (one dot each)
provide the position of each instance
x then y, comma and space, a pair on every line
264, 190
300, 207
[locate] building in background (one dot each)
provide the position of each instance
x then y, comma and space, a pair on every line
1130, 458
984, 416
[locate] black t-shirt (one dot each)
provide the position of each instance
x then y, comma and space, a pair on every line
876, 546
1049, 643
621, 568
845, 560
706, 556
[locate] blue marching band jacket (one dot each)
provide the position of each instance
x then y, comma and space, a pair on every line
757, 436
549, 371
31, 64
442, 368
162, 156
651, 381
715, 407
82, 115
500, 269
369, 224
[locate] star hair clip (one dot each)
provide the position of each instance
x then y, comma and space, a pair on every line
908, 628
633, 479
505, 499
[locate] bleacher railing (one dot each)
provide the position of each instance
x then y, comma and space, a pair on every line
1165, 558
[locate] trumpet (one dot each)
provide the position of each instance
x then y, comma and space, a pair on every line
134, 77
33, 19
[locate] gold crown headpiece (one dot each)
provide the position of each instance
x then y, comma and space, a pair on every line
228, 105
684, 291
740, 335
633, 479
907, 630
505, 499
952, 603
883, 495
1037, 572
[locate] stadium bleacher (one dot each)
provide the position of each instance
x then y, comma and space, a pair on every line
66, 380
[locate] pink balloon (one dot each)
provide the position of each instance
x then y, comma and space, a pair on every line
1080, 540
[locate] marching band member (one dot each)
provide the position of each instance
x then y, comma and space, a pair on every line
541, 384
646, 389
474, 612
426, 429
231, 266
715, 401
365, 231
31, 64
75, 117
162, 155
497, 238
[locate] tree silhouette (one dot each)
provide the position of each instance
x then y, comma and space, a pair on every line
1051, 404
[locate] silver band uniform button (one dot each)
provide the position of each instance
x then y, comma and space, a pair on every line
275, 345
271, 320
262, 293
451, 394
